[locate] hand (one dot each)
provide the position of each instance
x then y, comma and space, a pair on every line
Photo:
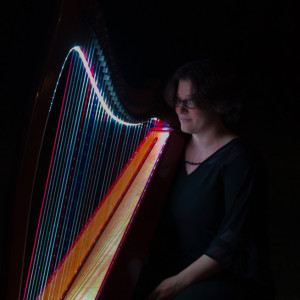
167, 289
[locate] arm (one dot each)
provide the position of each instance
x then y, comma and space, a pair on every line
200, 269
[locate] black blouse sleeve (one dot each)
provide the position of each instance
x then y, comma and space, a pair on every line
239, 242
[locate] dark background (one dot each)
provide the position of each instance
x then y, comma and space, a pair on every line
150, 39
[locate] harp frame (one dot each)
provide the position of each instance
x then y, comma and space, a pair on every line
68, 31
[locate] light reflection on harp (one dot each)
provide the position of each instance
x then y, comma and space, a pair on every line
85, 247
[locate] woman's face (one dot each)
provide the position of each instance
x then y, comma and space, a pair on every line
193, 120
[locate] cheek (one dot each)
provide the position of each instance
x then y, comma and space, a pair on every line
200, 114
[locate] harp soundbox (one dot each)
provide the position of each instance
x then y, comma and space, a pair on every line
91, 192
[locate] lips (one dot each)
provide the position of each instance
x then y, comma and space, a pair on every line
184, 120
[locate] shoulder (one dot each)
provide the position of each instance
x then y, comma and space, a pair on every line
242, 154
244, 157
240, 149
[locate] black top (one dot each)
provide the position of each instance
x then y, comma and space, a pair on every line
218, 210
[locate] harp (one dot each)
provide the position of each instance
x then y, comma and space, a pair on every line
93, 180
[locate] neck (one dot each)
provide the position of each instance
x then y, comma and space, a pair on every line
211, 136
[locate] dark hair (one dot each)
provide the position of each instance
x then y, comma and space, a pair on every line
214, 85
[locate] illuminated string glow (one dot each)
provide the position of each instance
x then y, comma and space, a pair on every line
91, 146
96, 90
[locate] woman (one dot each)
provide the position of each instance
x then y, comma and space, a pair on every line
211, 240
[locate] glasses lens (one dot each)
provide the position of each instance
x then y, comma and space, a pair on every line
177, 102
190, 104
186, 103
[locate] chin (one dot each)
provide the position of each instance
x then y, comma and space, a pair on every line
187, 130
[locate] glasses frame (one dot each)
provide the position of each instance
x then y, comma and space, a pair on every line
186, 103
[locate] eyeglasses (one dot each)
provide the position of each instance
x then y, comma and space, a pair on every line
190, 104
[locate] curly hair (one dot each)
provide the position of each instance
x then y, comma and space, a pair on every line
214, 85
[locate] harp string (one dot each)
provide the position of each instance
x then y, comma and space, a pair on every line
54, 187
67, 176
89, 150
78, 178
37, 277
68, 211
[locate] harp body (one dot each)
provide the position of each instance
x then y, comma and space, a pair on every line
119, 190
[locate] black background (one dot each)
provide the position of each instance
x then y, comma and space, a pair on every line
150, 39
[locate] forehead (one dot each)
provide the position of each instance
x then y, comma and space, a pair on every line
184, 88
